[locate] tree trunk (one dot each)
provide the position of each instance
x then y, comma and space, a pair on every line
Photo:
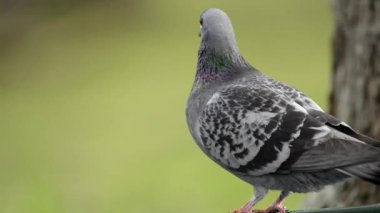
355, 89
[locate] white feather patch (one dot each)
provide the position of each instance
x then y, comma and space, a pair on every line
344, 172
322, 132
299, 108
214, 98
259, 118
282, 156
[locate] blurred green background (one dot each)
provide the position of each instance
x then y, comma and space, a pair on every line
93, 94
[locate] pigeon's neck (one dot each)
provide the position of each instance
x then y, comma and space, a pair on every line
216, 66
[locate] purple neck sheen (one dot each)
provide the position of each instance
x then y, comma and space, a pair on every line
207, 76
214, 67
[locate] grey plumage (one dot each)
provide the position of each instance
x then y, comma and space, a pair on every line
263, 131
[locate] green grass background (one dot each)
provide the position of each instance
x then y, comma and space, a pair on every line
92, 102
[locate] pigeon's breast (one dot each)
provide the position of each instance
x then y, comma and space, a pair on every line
195, 106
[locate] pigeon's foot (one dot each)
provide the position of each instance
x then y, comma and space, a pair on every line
247, 208
277, 206
272, 209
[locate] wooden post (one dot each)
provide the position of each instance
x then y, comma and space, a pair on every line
355, 88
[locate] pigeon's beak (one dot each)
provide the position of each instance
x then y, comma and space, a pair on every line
200, 30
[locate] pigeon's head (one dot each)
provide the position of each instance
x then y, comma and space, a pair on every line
217, 32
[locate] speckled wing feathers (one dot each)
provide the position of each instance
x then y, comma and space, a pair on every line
259, 131
252, 131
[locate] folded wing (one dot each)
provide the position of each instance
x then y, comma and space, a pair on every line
260, 132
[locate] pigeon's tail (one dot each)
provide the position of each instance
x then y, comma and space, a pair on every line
369, 172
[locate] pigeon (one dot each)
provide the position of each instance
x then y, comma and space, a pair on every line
265, 132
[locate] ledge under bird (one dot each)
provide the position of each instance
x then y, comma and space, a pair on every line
265, 132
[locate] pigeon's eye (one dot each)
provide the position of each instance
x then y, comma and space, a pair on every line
201, 21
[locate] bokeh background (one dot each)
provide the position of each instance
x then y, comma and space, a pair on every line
93, 95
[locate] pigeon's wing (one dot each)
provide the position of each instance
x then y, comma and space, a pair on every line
341, 126
258, 131
343, 135
250, 130
342, 147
